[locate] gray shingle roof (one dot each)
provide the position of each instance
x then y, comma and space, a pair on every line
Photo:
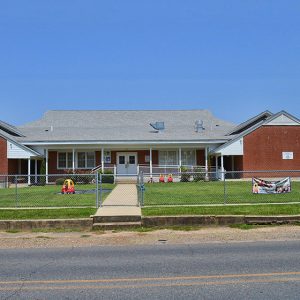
131, 125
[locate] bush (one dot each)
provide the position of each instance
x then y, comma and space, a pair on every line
199, 174
185, 175
107, 177
59, 181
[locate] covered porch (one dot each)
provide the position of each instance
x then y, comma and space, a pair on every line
130, 160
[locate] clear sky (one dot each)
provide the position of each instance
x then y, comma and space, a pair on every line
235, 58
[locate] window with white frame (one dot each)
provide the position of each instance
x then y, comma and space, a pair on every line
85, 160
107, 157
188, 157
168, 157
65, 160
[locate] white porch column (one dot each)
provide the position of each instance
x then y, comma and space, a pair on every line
206, 159
102, 160
35, 170
180, 160
151, 165
29, 181
222, 167
217, 167
73, 160
47, 169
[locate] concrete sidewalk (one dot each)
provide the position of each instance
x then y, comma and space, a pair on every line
122, 195
121, 205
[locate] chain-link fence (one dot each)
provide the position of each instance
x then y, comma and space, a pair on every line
72, 190
183, 188
216, 188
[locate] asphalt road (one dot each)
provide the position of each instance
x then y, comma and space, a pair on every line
254, 270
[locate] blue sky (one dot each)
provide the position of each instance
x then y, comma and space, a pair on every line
235, 58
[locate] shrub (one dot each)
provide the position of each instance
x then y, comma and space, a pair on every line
199, 174
107, 177
59, 181
185, 175
42, 179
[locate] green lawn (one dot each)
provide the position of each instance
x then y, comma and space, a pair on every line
190, 193
264, 210
49, 196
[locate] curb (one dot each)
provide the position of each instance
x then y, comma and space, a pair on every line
218, 220
85, 223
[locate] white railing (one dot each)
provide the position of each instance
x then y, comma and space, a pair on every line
177, 169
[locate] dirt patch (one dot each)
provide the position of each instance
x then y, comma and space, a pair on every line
168, 236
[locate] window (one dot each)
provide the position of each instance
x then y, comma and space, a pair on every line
188, 157
65, 160
168, 158
107, 157
81, 160
85, 160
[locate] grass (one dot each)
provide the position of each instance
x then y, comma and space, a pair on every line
65, 213
188, 193
265, 210
49, 196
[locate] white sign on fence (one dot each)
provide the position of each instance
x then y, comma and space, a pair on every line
287, 155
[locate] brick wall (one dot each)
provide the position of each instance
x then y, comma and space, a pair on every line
200, 157
3, 156
263, 148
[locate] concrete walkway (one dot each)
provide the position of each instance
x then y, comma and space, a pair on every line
122, 201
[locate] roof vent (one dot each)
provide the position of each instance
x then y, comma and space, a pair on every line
199, 126
159, 126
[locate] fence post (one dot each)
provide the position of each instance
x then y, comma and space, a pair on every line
225, 192
16, 183
100, 181
97, 190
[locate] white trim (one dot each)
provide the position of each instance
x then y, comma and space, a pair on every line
282, 120
73, 160
122, 143
222, 168
102, 160
179, 157
35, 170
28, 171
47, 165
151, 164
206, 159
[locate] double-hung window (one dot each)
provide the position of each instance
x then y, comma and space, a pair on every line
65, 160
85, 160
188, 157
168, 158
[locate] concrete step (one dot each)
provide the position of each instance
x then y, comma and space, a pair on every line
116, 225
116, 218
125, 181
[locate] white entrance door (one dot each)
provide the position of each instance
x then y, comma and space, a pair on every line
126, 163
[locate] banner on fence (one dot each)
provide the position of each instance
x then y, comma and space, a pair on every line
260, 186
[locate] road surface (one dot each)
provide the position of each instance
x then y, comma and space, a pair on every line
243, 270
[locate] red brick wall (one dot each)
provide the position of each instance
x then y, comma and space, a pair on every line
52, 163
238, 163
200, 157
13, 166
263, 148
3, 156
98, 158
